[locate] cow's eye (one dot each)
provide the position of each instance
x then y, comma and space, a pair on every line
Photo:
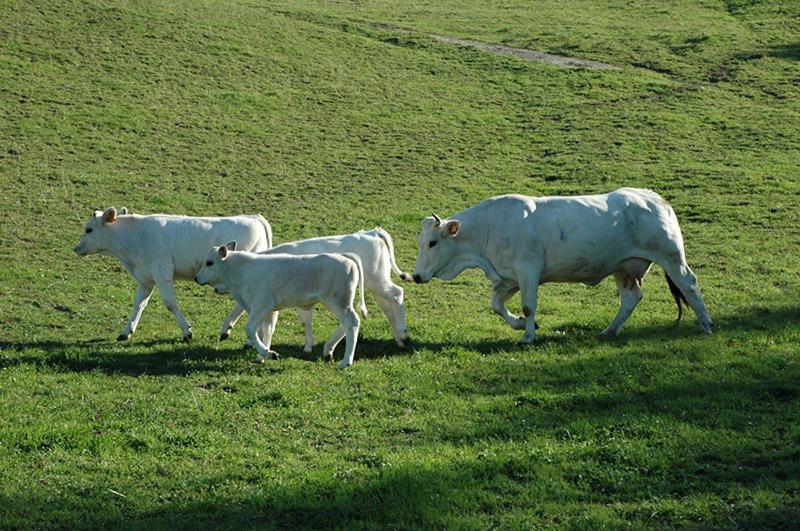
209, 263
88, 231
432, 243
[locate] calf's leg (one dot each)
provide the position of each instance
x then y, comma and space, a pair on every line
140, 300
230, 322
166, 288
305, 318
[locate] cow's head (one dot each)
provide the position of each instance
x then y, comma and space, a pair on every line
438, 243
96, 232
211, 272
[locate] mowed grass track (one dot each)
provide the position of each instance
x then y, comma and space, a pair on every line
326, 121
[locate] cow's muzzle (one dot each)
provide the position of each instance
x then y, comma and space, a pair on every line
417, 278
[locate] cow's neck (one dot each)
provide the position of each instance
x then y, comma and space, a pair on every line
473, 247
122, 245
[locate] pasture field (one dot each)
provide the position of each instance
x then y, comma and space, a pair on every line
329, 117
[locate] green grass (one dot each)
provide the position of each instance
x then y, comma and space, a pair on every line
325, 118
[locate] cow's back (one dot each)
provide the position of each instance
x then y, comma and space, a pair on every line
366, 244
185, 241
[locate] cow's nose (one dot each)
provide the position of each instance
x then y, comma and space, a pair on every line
417, 278
195, 279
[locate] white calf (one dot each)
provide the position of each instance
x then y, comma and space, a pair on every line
159, 249
263, 284
376, 250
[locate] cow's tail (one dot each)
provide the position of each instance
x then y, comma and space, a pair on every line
362, 306
677, 295
268, 233
387, 239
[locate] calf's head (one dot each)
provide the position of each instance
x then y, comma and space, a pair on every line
438, 248
212, 270
98, 232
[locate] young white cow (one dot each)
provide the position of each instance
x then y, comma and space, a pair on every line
376, 251
159, 249
521, 242
263, 284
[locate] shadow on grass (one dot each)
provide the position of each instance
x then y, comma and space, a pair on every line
781, 51
170, 357
463, 493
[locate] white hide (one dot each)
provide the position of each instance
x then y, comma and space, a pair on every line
264, 284
376, 251
521, 242
159, 249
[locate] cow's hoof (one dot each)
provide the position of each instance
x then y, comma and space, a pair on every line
406, 343
327, 357
274, 355
123, 337
188, 338
525, 343
307, 350
260, 359
343, 365
224, 335
609, 332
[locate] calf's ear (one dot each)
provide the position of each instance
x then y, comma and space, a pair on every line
222, 251
231, 245
452, 227
110, 215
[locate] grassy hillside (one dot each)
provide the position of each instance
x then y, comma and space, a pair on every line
327, 118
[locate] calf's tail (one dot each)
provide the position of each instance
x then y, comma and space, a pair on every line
677, 295
362, 306
387, 239
267, 232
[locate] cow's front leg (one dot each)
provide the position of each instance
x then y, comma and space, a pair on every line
166, 288
140, 300
503, 292
268, 329
529, 293
254, 322
305, 318
230, 322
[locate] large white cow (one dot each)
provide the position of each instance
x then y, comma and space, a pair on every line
376, 251
263, 284
521, 242
159, 249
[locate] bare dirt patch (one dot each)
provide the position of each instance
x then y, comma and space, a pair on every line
530, 55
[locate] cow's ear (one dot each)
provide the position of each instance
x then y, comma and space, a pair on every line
231, 246
452, 227
122, 211
222, 251
110, 215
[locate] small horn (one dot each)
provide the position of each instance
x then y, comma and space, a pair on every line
438, 219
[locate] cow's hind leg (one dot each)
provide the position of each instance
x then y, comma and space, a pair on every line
333, 341
140, 300
629, 286
390, 299
305, 316
685, 279
230, 322
350, 322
